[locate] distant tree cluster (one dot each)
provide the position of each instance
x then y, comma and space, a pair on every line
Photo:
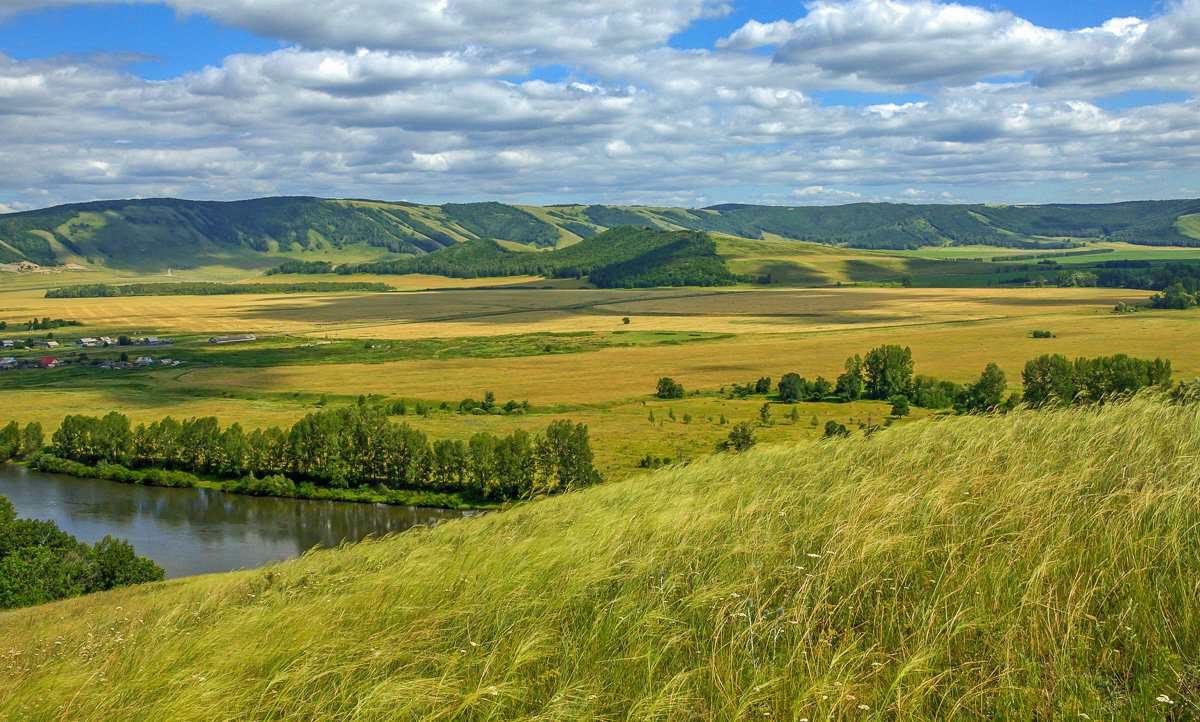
1055, 379
885, 373
1148, 275
302, 267
43, 324
340, 448
40, 563
206, 288
1175, 296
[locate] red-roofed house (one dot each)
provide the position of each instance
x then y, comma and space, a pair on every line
49, 362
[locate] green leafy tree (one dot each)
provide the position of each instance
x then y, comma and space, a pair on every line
32, 438
888, 371
669, 388
850, 383
900, 406
987, 393
764, 414
791, 387
10, 441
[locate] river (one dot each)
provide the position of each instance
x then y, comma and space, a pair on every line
199, 531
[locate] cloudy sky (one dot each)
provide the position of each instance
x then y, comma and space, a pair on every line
679, 102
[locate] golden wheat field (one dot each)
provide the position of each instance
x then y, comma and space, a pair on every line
763, 332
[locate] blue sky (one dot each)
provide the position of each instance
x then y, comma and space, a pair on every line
655, 101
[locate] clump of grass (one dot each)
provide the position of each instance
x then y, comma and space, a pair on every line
1034, 566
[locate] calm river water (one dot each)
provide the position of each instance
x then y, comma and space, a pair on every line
198, 531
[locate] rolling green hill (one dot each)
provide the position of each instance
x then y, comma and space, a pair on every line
1039, 565
154, 234
624, 257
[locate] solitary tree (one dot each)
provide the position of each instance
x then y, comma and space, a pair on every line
669, 388
899, 405
741, 437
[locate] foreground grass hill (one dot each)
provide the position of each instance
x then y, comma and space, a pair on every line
154, 234
1036, 566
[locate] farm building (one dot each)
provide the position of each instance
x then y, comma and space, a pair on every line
232, 339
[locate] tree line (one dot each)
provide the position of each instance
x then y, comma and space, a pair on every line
40, 562
208, 288
886, 373
341, 448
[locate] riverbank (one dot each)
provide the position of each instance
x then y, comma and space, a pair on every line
270, 486
201, 530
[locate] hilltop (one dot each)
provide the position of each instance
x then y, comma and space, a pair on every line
154, 234
1034, 566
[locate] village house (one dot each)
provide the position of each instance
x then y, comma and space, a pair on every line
45, 343
143, 360
232, 339
8, 362
49, 362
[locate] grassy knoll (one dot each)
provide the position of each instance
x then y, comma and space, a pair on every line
797, 263
1038, 566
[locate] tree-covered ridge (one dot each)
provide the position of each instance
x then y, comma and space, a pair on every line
618, 258
161, 232
496, 220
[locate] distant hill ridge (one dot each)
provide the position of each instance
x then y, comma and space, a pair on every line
158, 233
624, 257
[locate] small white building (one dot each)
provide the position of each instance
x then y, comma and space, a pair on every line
232, 339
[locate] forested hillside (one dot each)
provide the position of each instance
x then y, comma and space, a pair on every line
623, 257
159, 233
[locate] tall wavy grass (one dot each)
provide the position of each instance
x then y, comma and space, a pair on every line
1035, 566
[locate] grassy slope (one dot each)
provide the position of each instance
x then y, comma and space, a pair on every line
1037, 566
153, 234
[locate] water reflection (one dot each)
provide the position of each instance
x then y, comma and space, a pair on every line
197, 531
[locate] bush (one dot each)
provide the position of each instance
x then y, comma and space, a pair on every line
834, 430
741, 437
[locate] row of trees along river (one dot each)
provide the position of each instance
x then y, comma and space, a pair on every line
338, 449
